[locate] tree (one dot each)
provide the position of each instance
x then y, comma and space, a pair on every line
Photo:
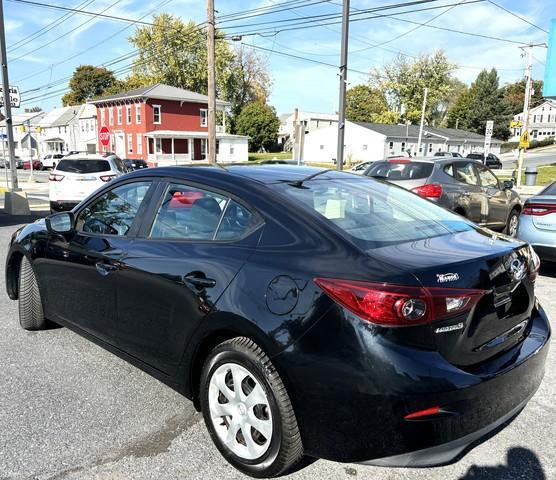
514, 95
482, 102
174, 52
366, 104
88, 82
403, 84
260, 122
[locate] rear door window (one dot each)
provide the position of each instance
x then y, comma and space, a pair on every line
401, 170
83, 166
465, 172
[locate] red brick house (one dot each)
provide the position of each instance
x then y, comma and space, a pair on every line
164, 125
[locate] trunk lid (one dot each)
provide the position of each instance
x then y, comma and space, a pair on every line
479, 260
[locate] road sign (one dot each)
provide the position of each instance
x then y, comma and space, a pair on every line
524, 140
104, 136
488, 135
516, 123
15, 98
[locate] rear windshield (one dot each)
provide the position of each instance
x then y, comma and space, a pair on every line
83, 166
400, 171
475, 155
550, 190
374, 213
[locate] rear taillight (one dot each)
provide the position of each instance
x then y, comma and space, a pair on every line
397, 305
107, 178
431, 190
55, 178
538, 209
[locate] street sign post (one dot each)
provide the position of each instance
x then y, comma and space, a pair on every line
15, 97
104, 136
488, 136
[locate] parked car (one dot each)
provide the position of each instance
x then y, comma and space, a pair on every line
304, 311
51, 160
37, 165
492, 161
537, 224
464, 186
134, 164
5, 163
360, 168
448, 154
77, 176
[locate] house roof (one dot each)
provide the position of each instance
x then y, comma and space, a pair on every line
192, 134
59, 117
160, 91
412, 132
20, 118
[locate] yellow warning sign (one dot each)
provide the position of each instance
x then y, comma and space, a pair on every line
524, 140
515, 123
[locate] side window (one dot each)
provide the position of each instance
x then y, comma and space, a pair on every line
449, 169
188, 213
114, 212
236, 221
488, 179
465, 172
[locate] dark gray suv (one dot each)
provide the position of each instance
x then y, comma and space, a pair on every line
462, 185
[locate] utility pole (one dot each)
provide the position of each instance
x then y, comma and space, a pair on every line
422, 121
343, 85
211, 144
526, 103
31, 178
7, 104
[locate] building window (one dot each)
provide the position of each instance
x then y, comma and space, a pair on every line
364, 147
403, 146
128, 114
231, 149
102, 117
534, 119
322, 147
110, 116
203, 115
391, 145
541, 119
120, 115
158, 145
139, 144
82, 127
217, 147
157, 114
138, 113
430, 147
129, 143
203, 146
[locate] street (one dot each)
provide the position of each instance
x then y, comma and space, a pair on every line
71, 410
532, 159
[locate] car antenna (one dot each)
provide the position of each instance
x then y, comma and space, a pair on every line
299, 183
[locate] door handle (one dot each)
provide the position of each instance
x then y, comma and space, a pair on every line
199, 281
105, 268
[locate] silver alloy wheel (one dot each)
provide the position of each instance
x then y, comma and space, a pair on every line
512, 227
240, 411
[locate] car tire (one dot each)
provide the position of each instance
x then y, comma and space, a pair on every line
512, 223
31, 315
260, 398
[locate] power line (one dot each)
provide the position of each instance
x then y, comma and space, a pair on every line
517, 16
81, 12
42, 31
64, 34
275, 10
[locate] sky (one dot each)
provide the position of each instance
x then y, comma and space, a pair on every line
40, 65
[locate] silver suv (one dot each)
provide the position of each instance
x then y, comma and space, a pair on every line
462, 185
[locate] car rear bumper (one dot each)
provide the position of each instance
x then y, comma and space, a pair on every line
351, 400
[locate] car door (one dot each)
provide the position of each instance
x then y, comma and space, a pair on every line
192, 244
469, 193
497, 198
83, 268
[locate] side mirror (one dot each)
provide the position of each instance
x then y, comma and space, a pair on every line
508, 184
61, 223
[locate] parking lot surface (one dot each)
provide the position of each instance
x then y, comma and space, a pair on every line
70, 410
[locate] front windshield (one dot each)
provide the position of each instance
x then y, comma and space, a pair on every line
374, 213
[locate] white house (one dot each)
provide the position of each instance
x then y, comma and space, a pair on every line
25, 131
542, 122
310, 121
87, 129
373, 141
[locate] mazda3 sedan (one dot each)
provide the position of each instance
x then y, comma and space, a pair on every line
306, 312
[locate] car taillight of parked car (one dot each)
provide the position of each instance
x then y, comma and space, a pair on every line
107, 178
431, 190
538, 209
55, 178
396, 305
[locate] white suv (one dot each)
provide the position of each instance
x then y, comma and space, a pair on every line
76, 176
50, 160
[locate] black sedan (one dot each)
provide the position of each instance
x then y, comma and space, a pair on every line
306, 312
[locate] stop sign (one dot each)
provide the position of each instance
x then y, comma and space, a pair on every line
104, 136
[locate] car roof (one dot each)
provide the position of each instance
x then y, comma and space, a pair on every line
265, 174
85, 156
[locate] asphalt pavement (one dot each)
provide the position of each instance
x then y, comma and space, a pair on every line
532, 159
70, 410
